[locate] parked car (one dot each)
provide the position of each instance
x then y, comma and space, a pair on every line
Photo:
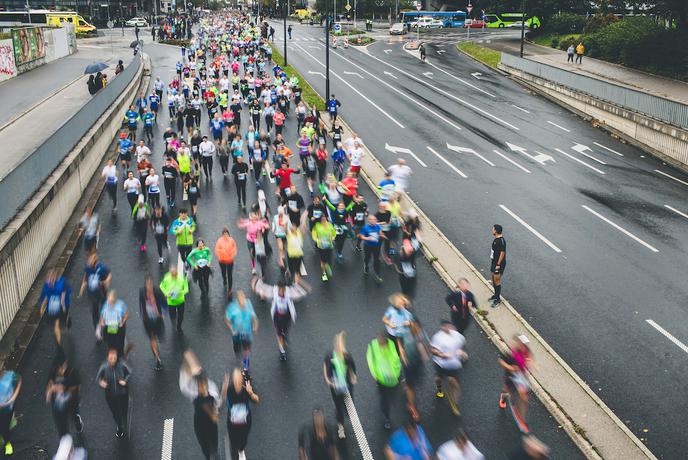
475, 23
397, 28
141, 22
427, 23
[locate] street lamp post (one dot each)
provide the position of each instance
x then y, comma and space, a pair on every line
284, 15
327, 56
523, 25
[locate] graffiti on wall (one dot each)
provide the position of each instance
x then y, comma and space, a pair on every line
7, 66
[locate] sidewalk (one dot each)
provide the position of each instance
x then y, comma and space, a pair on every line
617, 74
49, 86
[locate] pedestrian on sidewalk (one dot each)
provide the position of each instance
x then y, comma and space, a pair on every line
289, 31
570, 51
580, 51
497, 263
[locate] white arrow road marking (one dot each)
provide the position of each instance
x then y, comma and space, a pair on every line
621, 229
460, 79
511, 161
580, 161
316, 73
671, 177
580, 148
358, 428
676, 211
354, 73
387, 51
391, 75
167, 432
440, 52
476, 75
531, 229
519, 108
467, 150
428, 75
560, 127
666, 334
607, 148
456, 170
393, 149
540, 157
354, 89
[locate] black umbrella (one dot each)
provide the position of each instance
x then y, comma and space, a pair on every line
135, 42
95, 67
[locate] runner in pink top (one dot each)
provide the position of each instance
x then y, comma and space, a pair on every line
253, 225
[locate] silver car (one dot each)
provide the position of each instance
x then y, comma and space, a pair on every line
398, 28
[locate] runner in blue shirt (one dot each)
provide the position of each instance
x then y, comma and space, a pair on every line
242, 322
54, 302
217, 126
96, 282
371, 234
125, 146
132, 119
409, 443
332, 105
154, 103
148, 122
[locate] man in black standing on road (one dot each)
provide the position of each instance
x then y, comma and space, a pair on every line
497, 263
136, 31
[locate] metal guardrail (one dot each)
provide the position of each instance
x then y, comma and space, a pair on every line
22, 182
665, 110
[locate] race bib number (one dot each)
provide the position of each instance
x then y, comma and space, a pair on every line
238, 414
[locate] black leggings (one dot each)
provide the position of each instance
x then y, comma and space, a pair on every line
386, 397
238, 434
241, 191
112, 192
184, 251
202, 275
119, 406
339, 405
154, 199
207, 438
339, 241
374, 252
160, 241
224, 163
176, 313
226, 271
142, 230
170, 190
132, 198
257, 169
62, 418
207, 163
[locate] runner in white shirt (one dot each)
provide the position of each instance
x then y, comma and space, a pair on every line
132, 186
110, 174
153, 185
401, 173
459, 448
207, 150
447, 354
350, 142
142, 151
355, 155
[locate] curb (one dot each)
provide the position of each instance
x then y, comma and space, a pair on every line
494, 69
60, 260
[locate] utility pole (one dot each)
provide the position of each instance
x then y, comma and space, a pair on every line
28, 11
285, 9
523, 25
327, 57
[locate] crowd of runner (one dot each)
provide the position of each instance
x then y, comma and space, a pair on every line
230, 103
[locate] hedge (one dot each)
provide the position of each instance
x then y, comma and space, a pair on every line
307, 92
174, 42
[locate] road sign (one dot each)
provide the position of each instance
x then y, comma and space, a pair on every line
419, 6
337, 28
110, 24
469, 8
347, 7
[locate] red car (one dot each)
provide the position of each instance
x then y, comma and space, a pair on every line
475, 23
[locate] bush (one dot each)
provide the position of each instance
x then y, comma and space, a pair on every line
555, 42
598, 22
565, 42
175, 42
565, 23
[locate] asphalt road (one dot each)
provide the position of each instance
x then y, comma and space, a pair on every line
288, 390
603, 278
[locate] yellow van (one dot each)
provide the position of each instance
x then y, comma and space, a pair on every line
303, 13
57, 18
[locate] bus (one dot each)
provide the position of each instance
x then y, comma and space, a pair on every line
510, 20
449, 18
47, 18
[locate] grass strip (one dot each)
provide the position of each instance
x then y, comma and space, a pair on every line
485, 55
307, 92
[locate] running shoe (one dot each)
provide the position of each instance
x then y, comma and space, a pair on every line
341, 434
242, 455
388, 424
440, 393
161, 260
9, 450
377, 279
79, 424
158, 365
502, 403
324, 277
119, 433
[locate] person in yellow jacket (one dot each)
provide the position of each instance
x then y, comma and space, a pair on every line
385, 367
580, 51
175, 287
323, 234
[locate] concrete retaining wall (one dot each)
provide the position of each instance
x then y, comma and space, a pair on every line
27, 240
665, 141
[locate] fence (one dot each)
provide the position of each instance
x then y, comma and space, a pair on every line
661, 109
22, 182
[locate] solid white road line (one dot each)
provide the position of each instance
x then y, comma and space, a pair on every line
560, 127
531, 229
519, 108
607, 148
676, 211
668, 335
580, 161
354, 89
460, 79
457, 99
671, 177
426, 108
621, 229
358, 428
167, 432
456, 170
511, 161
